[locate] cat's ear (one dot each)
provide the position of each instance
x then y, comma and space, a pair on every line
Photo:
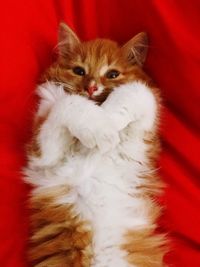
135, 50
67, 39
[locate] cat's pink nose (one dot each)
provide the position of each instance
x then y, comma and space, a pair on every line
91, 89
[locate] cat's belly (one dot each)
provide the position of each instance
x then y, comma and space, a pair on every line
113, 213
105, 194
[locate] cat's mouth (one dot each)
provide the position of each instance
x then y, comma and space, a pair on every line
100, 98
99, 95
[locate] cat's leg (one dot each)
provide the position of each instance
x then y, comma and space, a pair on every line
59, 235
86, 121
71, 116
132, 102
50, 139
54, 142
74, 116
134, 108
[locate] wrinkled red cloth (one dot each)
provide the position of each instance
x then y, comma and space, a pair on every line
28, 36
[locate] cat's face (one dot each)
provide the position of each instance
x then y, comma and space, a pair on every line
93, 69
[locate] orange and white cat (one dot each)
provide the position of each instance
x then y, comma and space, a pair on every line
92, 159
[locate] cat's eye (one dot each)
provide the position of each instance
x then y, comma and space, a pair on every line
112, 74
79, 71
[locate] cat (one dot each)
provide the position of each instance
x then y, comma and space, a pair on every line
92, 158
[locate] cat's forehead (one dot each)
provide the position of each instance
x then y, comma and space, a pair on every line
99, 53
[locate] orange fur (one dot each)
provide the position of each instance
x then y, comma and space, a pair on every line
59, 237
145, 248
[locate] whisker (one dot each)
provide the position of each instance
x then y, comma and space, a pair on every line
65, 84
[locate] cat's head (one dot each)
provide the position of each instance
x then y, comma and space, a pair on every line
94, 68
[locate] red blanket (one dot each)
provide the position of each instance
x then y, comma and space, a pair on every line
28, 36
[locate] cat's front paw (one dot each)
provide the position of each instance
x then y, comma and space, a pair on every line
87, 138
105, 135
107, 139
101, 134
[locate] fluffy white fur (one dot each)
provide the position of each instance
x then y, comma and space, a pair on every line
105, 168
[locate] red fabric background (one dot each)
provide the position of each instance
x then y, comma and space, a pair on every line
28, 35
